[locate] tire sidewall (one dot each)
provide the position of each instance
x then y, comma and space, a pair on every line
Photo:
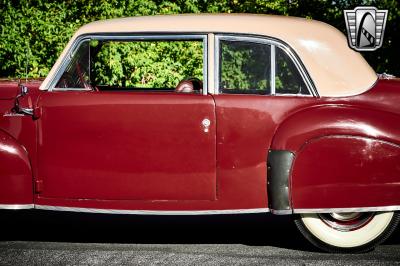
360, 240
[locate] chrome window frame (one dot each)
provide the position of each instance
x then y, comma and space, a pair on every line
274, 43
128, 37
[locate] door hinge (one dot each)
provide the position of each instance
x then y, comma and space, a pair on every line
38, 186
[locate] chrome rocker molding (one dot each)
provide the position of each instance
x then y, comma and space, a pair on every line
147, 212
281, 212
205, 212
16, 206
359, 209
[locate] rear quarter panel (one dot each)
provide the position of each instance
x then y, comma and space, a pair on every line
346, 172
347, 151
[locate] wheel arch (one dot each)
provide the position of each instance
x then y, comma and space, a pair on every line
334, 119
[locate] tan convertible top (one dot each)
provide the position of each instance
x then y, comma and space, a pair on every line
335, 69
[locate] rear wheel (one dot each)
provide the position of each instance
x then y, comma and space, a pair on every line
347, 232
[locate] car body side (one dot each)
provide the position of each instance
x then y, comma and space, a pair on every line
345, 154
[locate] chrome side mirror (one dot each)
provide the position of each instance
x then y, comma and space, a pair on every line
17, 108
23, 89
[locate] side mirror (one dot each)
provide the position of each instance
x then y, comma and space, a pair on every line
23, 89
17, 108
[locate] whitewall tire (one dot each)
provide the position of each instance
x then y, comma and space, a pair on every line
347, 232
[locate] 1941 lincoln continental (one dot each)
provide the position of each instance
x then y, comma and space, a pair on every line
209, 114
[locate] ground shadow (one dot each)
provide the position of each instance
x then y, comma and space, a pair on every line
248, 229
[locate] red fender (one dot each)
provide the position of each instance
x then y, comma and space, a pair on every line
322, 121
16, 181
346, 172
344, 157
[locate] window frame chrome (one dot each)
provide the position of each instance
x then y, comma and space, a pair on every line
128, 37
273, 43
273, 68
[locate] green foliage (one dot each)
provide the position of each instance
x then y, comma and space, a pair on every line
287, 77
245, 66
41, 28
154, 64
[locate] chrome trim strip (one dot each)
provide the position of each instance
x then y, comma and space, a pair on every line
205, 212
13, 114
217, 60
16, 206
210, 63
148, 212
205, 64
125, 36
273, 42
281, 212
70, 89
358, 209
303, 72
273, 65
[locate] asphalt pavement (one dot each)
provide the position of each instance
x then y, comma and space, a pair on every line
62, 238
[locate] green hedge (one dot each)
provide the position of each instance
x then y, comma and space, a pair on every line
41, 28
159, 64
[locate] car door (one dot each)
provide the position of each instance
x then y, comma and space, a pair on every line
122, 144
258, 86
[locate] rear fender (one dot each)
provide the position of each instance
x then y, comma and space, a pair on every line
322, 121
346, 172
345, 158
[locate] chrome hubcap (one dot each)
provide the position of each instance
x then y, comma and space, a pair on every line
345, 216
346, 221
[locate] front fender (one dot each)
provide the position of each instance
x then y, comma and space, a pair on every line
16, 185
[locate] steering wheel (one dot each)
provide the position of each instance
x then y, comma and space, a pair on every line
189, 85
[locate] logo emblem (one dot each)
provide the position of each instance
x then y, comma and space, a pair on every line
365, 27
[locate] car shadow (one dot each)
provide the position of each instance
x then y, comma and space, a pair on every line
247, 229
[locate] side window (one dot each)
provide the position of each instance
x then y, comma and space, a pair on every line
77, 73
287, 78
245, 67
256, 67
141, 65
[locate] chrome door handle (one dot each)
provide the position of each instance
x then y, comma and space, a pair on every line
206, 124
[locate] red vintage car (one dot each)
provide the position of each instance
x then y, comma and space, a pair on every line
209, 114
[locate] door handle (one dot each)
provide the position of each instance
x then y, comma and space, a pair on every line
206, 124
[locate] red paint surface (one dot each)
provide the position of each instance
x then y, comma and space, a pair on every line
345, 172
126, 146
17, 133
149, 151
9, 89
240, 161
15, 172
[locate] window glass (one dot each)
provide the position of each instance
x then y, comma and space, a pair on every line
245, 67
142, 65
287, 77
77, 74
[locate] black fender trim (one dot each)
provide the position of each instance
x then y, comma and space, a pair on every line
279, 165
